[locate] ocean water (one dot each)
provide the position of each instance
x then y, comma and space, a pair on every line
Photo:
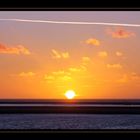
69, 121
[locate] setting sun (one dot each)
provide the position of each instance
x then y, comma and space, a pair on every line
70, 94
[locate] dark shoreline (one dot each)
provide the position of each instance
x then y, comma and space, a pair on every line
74, 101
70, 109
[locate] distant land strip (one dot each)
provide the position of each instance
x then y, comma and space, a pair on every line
70, 109
74, 101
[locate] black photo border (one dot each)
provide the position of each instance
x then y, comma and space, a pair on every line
69, 5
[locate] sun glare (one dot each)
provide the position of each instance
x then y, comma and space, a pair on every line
70, 94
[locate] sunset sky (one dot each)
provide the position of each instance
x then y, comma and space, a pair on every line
44, 60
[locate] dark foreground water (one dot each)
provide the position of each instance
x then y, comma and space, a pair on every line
69, 121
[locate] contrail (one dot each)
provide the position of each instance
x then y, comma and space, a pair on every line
72, 23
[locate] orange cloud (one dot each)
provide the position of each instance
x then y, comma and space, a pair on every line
123, 79
78, 69
57, 75
135, 76
26, 74
19, 49
73, 69
48, 77
60, 72
103, 54
85, 59
119, 53
118, 66
93, 41
65, 55
65, 78
120, 33
58, 55
129, 77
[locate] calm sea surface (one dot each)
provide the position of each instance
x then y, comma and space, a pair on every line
68, 121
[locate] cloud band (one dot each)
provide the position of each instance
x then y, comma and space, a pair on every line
72, 23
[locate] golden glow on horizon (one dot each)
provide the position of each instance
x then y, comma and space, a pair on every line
70, 94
